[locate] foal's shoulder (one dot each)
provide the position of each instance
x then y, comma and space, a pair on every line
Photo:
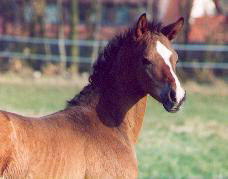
79, 114
77, 117
4, 121
12, 117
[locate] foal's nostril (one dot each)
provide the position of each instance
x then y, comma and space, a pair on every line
172, 96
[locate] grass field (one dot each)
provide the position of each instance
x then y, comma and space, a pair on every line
190, 144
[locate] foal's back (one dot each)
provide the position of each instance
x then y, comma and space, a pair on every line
46, 145
67, 144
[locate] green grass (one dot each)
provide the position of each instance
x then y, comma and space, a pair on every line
35, 99
190, 144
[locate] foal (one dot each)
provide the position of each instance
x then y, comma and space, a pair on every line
95, 136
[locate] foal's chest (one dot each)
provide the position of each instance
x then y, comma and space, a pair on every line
76, 153
110, 156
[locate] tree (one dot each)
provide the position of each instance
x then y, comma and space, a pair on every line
38, 9
74, 34
61, 37
152, 9
218, 6
155, 5
185, 7
96, 26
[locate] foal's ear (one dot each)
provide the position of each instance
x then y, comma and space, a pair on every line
141, 26
171, 30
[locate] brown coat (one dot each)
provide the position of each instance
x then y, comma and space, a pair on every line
72, 143
94, 136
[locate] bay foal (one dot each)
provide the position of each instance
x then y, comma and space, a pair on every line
95, 136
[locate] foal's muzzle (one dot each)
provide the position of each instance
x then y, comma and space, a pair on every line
169, 100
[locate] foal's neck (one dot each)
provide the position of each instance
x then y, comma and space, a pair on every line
122, 103
119, 108
114, 93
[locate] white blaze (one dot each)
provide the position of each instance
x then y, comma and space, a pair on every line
166, 54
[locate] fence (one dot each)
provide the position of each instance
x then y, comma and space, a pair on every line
90, 43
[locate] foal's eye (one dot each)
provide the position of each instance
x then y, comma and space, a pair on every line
145, 61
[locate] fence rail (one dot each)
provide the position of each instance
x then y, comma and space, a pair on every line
91, 43
42, 57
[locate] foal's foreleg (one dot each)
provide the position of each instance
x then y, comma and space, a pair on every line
5, 142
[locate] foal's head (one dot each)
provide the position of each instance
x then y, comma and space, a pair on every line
157, 61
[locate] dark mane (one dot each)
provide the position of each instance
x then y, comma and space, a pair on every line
155, 26
100, 71
100, 75
107, 57
101, 68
